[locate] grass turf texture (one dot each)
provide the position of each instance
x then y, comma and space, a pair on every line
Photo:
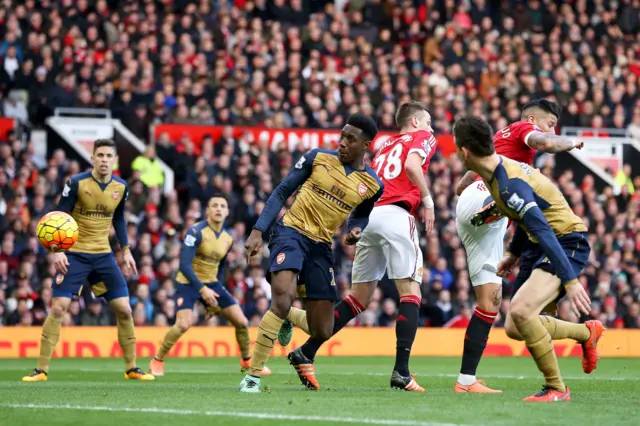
203, 391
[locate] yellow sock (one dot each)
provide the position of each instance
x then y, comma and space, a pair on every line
298, 317
242, 337
267, 335
559, 329
127, 340
169, 340
48, 341
540, 345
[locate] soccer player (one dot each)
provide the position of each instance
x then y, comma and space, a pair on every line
333, 185
95, 200
390, 243
202, 258
550, 242
482, 230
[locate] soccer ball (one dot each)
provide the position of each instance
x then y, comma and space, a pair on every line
57, 231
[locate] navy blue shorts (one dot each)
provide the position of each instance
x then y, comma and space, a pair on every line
312, 260
576, 247
100, 271
186, 296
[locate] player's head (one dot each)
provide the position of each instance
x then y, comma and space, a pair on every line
104, 156
217, 208
413, 116
355, 137
474, 140
542, 113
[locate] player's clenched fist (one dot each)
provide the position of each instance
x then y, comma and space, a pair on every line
506, 265
209, 296
354, 236
253, 243
61, 262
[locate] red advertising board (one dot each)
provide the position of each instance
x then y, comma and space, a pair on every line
310, 138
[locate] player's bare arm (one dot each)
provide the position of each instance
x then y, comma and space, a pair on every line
413, 166
552, 143
466, 180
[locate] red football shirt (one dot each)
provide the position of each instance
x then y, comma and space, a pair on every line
389, 165
512, 142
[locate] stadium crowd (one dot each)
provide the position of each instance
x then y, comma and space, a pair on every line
301, 63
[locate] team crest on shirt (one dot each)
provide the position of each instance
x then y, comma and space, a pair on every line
180, 301
420, 270
115, 195
362, 189
59, 279
280, 258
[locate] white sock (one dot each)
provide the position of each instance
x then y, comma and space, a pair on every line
466, 379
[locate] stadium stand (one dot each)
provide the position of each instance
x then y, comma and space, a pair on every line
304, 64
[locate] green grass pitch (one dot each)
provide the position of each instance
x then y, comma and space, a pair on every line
203, 391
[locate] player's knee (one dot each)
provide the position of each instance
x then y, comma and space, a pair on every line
123, 313
519, 312
183, 325
241, 324
58, 309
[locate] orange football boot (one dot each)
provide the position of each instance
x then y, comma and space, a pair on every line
489, 213
137, 374
245, 364
156, 367
590, 347
477, 387
405, 383
305, 369
548, 394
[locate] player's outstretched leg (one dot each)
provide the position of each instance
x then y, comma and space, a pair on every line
588, 335
127, 339
406, 329
49, 340
539, 290
237, 318
489, 296
283, 290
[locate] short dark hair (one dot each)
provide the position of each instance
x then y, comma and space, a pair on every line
364, 123
408, 110
219, 195
475, 134
99, 143
544, 105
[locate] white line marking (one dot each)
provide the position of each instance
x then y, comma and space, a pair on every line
343, 373
264, 416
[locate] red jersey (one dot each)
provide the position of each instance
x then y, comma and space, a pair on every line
389, 165
512, 142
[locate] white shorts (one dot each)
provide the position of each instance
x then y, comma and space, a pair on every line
484, 244
389, 242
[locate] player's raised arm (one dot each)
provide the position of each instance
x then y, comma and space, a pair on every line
413, 166
187, 253
466, 180
552, 143
68, 196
